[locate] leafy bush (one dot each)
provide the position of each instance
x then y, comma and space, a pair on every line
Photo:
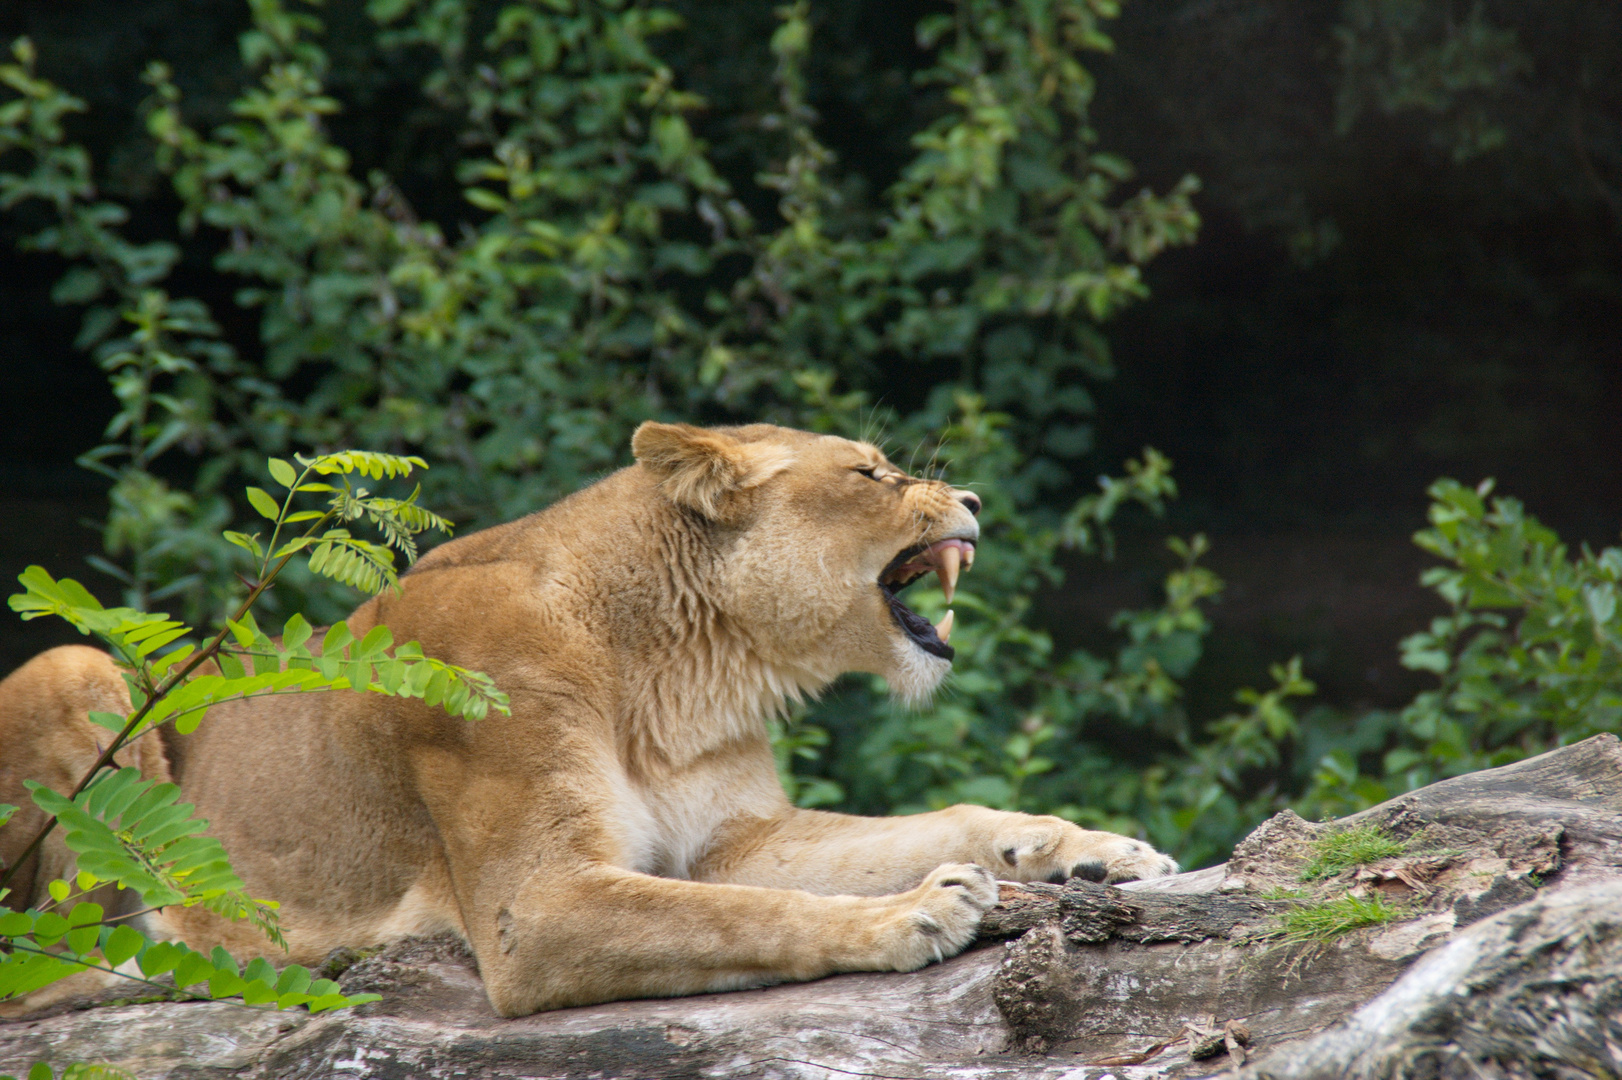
1529, 659
609, 274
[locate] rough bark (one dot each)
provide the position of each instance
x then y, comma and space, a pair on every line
1508, 888
1533, 992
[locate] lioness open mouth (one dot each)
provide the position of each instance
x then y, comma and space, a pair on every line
945, 558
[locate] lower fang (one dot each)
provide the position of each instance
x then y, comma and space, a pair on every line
943, 629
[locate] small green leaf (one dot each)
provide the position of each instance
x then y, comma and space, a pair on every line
296, 632
336, 640
225, 984
260, 970
169, 659
258, 992
248, 543
83, 938
435, 691
377, 639
159, 958
85, 914
485, 199
294, 979
157, 641
262, 502
282, 472
223, 960
49, 928
193, 969
123, 943
59, 890
328, 1001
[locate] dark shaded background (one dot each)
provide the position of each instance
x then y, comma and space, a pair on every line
1363, 311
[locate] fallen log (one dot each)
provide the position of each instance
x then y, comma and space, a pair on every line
1188, 976
1533, 992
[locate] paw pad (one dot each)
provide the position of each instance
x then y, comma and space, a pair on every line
1090, 870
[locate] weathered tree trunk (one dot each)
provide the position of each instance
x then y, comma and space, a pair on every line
1509, 889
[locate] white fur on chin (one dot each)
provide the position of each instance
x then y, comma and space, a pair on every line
917, 674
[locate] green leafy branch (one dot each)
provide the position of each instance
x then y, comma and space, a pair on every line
156, 686
47, 946
1147, 482
135, 834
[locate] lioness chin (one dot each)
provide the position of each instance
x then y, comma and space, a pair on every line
622, 833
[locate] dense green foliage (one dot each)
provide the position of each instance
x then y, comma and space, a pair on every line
129, 833
1529, 658
580, 259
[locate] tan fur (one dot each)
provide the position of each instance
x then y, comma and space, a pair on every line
622, 833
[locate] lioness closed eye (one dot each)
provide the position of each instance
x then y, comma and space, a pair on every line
622, 833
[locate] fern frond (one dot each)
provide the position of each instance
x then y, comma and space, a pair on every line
358, 563
137, 834
400, 520
366, 462
132, 635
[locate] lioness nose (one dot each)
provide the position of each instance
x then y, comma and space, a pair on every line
971, 501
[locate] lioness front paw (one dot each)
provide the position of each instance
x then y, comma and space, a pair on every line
1052, 849
943, 914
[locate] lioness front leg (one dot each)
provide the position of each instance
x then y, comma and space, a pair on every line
839, 853
602, 934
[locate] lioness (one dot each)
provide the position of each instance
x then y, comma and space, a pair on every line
622, 833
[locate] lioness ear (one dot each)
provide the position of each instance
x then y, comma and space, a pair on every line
699, 468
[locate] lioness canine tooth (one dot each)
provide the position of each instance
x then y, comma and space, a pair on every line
943, 629
950, 557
